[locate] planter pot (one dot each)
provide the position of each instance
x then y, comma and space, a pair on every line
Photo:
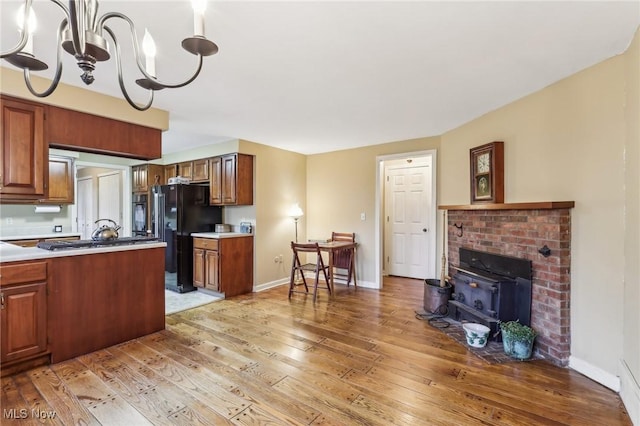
516, 348
436, 298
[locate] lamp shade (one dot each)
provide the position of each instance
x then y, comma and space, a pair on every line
295, 211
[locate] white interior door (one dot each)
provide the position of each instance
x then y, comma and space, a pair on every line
110, 197
85, 207
408, 215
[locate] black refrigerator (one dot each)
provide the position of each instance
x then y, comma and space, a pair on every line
177, 211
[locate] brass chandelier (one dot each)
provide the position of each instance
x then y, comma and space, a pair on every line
81, 34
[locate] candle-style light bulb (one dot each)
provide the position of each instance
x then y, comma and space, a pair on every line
149, 49
199, 6
30, 27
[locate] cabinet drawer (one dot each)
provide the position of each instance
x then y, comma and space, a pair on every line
205, 243
23, 273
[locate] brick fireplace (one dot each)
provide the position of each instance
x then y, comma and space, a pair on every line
523, 230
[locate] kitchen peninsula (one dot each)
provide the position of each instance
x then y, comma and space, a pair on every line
60, 304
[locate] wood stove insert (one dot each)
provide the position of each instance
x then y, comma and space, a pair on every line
489, 288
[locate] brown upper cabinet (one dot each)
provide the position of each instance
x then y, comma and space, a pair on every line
185, 170
144, 176
23, 164
79, 131
231, 179
60, 188
170, 170
200, 170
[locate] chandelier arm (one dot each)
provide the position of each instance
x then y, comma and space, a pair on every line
24, 34
62, 6
77, 26
56, 78
134, 37
155, 83
123, 89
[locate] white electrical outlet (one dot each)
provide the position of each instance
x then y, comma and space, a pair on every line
9, 221
363, 216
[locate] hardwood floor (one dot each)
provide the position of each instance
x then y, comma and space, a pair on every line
360, 358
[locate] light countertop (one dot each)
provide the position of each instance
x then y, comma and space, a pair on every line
12, 252
218, 235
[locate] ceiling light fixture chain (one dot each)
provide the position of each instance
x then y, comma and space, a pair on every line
81, 34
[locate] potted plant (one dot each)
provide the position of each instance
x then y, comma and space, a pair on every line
517, 339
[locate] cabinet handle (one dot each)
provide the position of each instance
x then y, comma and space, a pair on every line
1, 300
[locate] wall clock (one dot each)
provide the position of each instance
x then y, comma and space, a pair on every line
487, 173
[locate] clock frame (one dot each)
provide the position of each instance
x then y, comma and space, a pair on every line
487, 173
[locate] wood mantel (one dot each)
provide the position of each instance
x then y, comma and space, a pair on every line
541, 205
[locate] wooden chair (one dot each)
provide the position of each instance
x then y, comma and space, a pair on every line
344, 260
297, 267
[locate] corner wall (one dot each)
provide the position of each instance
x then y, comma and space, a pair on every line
630, 363
341, 185
567, 143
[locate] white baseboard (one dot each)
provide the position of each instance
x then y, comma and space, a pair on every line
630, 393
285, 281
363, 284
267, 286
595, 373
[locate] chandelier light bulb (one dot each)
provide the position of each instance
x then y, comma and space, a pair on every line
199, 6
149, 49
32, 23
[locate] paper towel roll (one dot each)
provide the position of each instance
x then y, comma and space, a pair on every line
47, 209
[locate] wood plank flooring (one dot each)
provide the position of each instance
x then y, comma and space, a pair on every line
361, 357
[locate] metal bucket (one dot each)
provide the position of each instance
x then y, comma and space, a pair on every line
436, 297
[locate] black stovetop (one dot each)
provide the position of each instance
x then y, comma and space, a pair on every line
79, 244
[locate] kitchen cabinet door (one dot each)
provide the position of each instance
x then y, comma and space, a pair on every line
61, 181
199, 271
215, 181
200, 170
231, 180
23, 165
144, 176
185, 170
24, 321
170, 170
212, 266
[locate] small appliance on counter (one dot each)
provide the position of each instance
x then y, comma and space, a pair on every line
179, 180
222, 227
246, 227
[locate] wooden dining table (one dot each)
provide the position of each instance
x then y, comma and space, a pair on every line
334, 246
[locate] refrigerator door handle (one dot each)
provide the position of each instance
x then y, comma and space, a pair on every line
159, 215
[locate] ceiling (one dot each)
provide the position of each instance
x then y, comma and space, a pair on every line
320, 76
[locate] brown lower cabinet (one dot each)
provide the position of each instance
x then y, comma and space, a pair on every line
224, 265
23, 298
63, 307
99, 300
